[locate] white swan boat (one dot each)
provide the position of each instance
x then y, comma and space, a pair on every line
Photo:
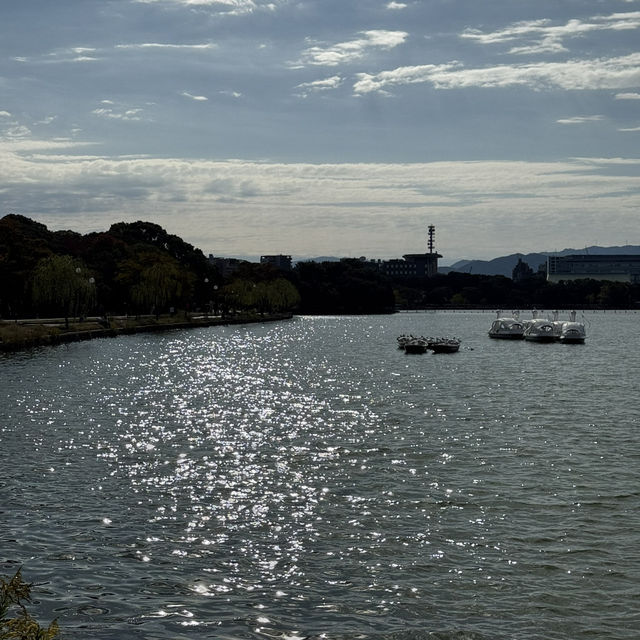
540, 330
505, 328
572, 332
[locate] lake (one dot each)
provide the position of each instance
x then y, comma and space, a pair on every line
307, 479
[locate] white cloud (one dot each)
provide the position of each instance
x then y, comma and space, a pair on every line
17, 131
368, 83
580, 119
166, 45
630, 129
319, 85
628, 96
5, 114
229, 7
601, 73
352, 50
63, 56
396, 5
186, 94
112, 114
481, 209
545, 37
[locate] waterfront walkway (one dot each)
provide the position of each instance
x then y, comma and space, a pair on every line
33, 332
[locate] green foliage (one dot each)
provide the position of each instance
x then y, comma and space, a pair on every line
22, 243
348, 286
153, 280
139, 266
64, 285
14, 593
117, 258
463, 289
160, 283
264, 296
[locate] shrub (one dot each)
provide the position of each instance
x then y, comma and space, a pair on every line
14, 593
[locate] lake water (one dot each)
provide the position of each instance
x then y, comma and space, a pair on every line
306, 479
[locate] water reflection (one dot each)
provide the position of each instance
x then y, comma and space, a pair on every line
291, 480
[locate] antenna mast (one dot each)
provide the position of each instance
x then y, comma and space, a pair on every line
432, 233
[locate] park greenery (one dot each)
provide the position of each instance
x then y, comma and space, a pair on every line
138, 269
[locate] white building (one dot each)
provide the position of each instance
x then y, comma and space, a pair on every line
616, 268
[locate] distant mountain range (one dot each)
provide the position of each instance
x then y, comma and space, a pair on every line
504, 266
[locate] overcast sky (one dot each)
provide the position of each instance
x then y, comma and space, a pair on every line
326, 127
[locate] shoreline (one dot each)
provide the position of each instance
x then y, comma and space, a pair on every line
33, 334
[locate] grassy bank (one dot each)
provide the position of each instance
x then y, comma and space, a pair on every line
18, 335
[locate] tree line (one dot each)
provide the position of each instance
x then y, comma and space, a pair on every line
462, 290
133, 268
138, 268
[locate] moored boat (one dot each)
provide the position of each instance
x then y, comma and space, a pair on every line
507, 328
416, 345
572, 332
539, 330
444, 345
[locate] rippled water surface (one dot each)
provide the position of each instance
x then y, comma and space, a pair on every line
307, 479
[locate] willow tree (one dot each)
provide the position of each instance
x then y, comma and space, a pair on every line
160, 284
275, 295
283, 296
63, 285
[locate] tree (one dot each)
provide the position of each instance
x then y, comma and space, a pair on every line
239, 294
153, 280
615, 295
276, 295
63, 285
160, 284
283, 295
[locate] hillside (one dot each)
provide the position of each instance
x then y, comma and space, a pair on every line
504, 265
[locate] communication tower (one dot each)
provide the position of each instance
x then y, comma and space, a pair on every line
432, 233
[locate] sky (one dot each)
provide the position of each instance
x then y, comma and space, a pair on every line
326, 127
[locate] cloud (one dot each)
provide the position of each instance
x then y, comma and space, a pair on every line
168, 46
628, 96
601, 73
47, 120
230, 7
544, 37
325, 209
61, 56
112, 114
186, 94
396, 5
580, 119
319, 85
5, 114
352, 50
369, 83
630, 129
17, 131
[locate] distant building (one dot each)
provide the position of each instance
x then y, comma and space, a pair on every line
279, 262
522, 271
413, 264
617, 268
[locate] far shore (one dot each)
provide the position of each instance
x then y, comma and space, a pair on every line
17, 335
